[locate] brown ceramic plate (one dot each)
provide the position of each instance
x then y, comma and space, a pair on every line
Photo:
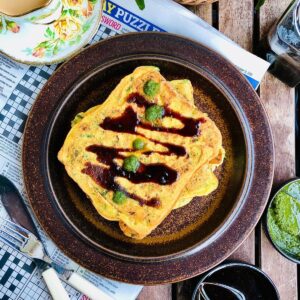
190, 240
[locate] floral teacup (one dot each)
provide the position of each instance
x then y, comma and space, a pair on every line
34, 11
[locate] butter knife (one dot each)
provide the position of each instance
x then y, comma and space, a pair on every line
20, 215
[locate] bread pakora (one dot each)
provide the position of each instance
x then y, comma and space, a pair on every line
143, 152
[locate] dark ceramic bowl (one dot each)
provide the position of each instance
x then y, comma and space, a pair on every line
286, 254
185, 229
246, 278
191, 239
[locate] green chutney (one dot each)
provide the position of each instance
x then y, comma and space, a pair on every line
283, 219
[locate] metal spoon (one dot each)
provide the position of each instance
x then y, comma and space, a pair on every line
239, 295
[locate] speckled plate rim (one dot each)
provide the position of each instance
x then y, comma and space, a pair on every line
67, 56
186, 266
266, 227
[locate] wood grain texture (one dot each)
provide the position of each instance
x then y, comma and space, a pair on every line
279, 101
204, 11
280, 105
236, 22
194, 2
160, 292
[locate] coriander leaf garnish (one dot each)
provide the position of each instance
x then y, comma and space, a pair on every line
131, 164
154, 112
151, 88
138, 144
119, 197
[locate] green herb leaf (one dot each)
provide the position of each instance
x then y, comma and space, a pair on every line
49, 33
77, 119
55, 49
45, 44
70, 12
86, 26
151, 88
104, 193
119, 197
259, 4
131, 164
154, 112
140, 4
138, 144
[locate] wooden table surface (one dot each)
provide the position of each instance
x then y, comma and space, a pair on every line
237, 20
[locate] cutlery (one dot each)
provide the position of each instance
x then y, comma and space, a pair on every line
22, 234
28, 244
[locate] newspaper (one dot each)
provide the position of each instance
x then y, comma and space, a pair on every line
19, 87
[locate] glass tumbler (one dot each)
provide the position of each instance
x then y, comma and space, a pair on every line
284, 46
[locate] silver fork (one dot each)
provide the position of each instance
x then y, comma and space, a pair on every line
23, 240
27, 243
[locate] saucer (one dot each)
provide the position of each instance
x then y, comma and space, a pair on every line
38, 44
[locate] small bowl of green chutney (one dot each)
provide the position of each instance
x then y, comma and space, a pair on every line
283, 220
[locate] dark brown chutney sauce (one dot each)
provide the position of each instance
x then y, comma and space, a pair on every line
191, 127
105, 178
156, 173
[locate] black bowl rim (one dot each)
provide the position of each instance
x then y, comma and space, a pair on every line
233, 264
